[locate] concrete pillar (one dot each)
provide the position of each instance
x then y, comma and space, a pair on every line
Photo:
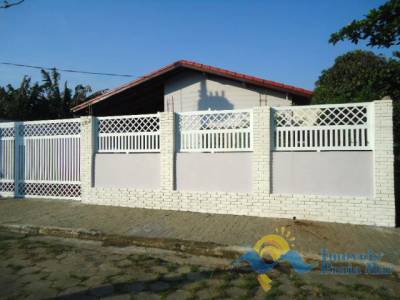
87, 150
262, 150
384, 209
167, 150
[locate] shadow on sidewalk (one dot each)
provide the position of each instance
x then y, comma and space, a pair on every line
162, 287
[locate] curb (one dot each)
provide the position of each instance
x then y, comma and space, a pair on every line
191, 247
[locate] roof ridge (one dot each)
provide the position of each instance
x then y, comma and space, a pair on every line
201, 67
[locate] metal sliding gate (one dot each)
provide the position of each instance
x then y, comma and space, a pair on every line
40, 159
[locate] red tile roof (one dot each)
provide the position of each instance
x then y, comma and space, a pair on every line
203, 68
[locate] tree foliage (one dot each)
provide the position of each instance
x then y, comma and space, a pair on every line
7, 4
359, 76
381, 27
34, 101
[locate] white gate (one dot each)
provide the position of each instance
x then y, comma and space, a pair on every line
40, 159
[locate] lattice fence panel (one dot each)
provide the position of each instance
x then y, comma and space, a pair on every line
50, 190
50, 128
7, 186
7, 158
323, 127
8, 131
215, 131
136, 133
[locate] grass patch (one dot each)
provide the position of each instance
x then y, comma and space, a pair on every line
383, 293
15, 267
324, 291
156, 261
358, 287
194, 269
301, 295
4, 246
165, 294
57, 250
44, 276
200, 286
79, 277
171, 267
297, 281
250, 283
273, 293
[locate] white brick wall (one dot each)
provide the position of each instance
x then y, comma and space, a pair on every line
378, 210
167, 150
383, 208
261, 150
87, 148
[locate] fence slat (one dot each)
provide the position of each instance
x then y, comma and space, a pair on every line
136, 133
327, 127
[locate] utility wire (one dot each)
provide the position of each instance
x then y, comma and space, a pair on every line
65, 70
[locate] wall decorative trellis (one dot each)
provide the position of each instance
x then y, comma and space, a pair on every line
136, 133
41, 159
215, 131
7, 159
323, 127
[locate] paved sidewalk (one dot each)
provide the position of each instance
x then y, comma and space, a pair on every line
222, 229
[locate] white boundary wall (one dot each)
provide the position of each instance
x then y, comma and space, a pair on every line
56, 159
377, 210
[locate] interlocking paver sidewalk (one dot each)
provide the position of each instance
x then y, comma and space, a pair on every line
222, 229
53, 268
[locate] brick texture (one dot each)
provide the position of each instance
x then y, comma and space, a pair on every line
378, 210
167, 150
87, 150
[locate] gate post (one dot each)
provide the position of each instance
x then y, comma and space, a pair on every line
384, 208
17, 159
167, 150
87, 150
261, 150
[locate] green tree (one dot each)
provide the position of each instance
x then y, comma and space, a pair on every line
40, 101
359, 76
381, 27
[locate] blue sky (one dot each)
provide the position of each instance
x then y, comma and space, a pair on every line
285, 41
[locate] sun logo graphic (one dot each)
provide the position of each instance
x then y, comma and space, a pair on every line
275, 247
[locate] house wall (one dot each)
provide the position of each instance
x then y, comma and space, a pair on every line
332, 173
138, 170
214, 172
191, 91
